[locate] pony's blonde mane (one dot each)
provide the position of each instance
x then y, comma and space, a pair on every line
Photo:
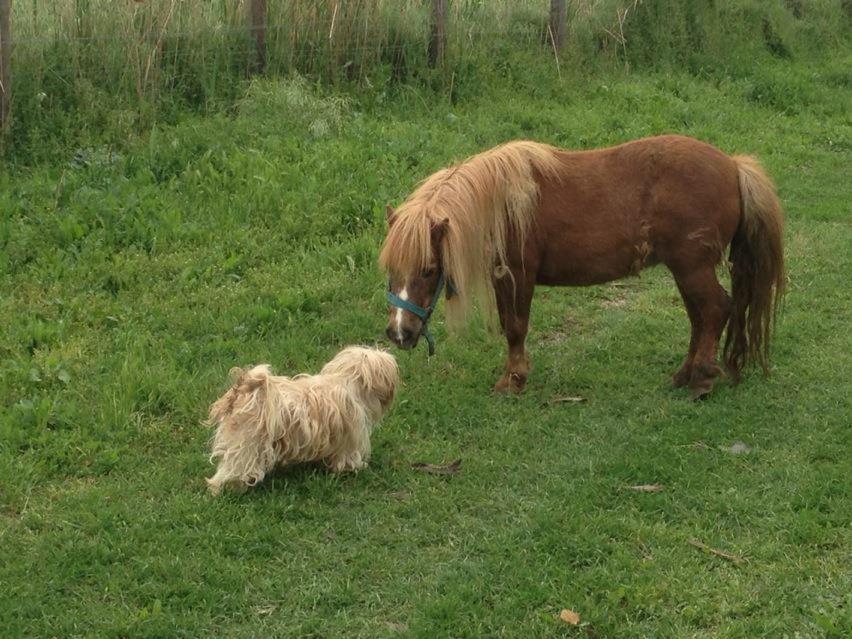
482, 199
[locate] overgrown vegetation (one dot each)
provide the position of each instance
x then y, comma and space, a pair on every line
100, 71
136, 269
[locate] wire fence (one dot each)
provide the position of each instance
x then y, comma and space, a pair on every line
245, 31
78, 50
65, 67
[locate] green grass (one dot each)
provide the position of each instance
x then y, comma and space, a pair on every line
133, 279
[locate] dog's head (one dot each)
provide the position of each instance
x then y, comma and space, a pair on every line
373, 370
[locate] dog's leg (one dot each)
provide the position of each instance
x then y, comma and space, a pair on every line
355, 452
351, 458
240, 468
346, 462
223, 479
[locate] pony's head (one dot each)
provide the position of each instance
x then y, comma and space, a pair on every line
413, 258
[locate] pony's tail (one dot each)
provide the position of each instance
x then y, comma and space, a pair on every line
757, 270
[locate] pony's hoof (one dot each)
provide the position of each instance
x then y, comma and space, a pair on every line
703, 379
699, 393
510, 384
682, 377
701, 389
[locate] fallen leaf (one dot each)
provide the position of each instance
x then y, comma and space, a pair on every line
737, 559
567, 399
647, 488
401, 495
646, 552
438, 469
351, 263
569, 616
396, 626
618, 302
737, 448
556, 337
697, 445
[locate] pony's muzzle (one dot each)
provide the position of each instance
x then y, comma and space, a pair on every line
402, 336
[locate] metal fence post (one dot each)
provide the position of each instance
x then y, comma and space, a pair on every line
438, 39
5, 63
558, 20
257, 29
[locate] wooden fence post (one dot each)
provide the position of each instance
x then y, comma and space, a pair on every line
438, 39
5, 63
558, 20
258, 32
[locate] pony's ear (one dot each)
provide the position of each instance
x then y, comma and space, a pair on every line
389, 214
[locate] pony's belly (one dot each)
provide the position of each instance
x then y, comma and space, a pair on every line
585, 268
580, 278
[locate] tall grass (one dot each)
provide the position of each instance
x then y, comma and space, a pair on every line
105, 69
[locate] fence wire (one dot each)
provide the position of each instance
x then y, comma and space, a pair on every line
249, 33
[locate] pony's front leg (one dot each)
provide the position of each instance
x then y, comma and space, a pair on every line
514, 297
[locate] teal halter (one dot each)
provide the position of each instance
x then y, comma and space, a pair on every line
424, 313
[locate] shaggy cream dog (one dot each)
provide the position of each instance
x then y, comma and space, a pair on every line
266, 420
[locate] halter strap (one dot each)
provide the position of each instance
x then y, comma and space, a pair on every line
424, 313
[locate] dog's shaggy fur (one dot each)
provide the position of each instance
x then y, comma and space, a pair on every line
266, 420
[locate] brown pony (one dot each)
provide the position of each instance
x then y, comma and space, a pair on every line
525, 213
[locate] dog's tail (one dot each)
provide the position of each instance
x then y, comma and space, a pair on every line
251, 381
241, 441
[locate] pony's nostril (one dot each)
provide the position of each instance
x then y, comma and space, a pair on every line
390, 333
407, 334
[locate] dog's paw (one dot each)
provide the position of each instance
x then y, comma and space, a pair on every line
347, 464
214, 488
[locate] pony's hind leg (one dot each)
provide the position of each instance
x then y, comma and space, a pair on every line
712, 305
684, 373
514, 297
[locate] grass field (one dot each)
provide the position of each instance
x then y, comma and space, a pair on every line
133, 279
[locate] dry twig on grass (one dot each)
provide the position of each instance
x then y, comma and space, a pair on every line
737, 559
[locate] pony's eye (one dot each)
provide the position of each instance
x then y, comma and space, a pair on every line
429, 272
